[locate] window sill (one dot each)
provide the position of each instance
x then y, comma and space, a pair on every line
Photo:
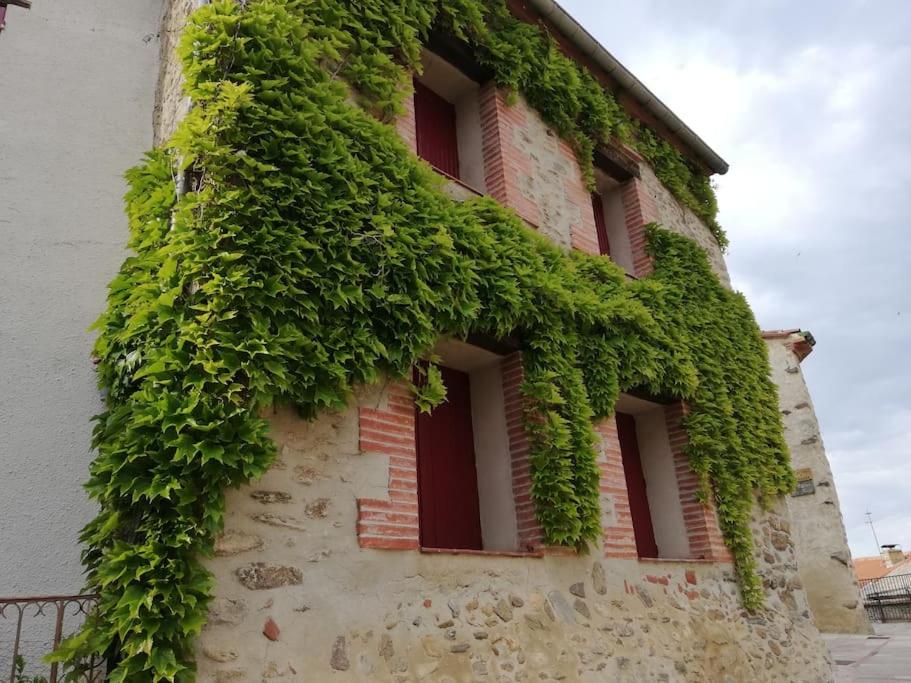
482, 553
674, 560
458, 181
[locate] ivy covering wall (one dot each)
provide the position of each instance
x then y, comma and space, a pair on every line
318, 254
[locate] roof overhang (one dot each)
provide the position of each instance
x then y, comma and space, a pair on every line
588, 45
801, 342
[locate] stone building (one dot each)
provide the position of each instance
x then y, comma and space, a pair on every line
334, 566
818, 531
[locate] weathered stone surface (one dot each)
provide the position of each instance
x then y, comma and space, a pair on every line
561, 606
262, 576
270, 497
317, 509
644, 596
273, 519
271, 629
338, 660
780, 540
599, 580
460, 647
225, 611
233, 542
578, 589
580, 606
503, 610
431, 647
842, 556
221, 655
624, 633
386, 649
306, 475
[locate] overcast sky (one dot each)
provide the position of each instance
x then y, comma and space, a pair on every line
810, 104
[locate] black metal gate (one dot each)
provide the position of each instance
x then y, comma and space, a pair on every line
887, 598
30, 628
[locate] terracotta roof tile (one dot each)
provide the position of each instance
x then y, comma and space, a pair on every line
866, 568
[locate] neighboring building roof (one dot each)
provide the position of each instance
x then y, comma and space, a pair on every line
588, 45
868, 568
802, 346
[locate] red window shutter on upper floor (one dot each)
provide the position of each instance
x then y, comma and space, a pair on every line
600, 224
435, 126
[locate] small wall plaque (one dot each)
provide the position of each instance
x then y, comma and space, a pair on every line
805, 488
804, 474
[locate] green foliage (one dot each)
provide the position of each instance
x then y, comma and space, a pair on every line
21, 676
318, 255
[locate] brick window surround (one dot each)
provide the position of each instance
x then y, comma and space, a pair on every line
389, 430
703, 532
392, 522
506, 164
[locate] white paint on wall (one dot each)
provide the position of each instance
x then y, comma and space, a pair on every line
491, 445
621, 252
77, 88
661, 484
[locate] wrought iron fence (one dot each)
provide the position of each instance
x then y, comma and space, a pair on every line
887, 598
32, 627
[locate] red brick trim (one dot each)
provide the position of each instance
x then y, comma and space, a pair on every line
406, 126
705, 539
530, 534
392, 523
489, 104
504, 163
640, 209
619, 540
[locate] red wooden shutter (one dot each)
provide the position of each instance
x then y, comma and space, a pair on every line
435, 126
635, 486
448, 508
600, 224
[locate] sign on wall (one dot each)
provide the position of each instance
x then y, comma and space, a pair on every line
805, 485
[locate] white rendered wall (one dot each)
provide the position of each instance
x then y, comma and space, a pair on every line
77, 87
661, 485
621, 252
492, 459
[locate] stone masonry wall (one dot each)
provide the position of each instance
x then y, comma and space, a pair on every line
170, 104
677, 218
297, 598
303, 592
819, 532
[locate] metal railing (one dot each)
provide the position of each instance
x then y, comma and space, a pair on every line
32, 627
887, 598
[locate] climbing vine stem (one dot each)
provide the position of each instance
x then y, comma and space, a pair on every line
318, 254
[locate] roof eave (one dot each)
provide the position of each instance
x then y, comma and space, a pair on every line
587, 44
